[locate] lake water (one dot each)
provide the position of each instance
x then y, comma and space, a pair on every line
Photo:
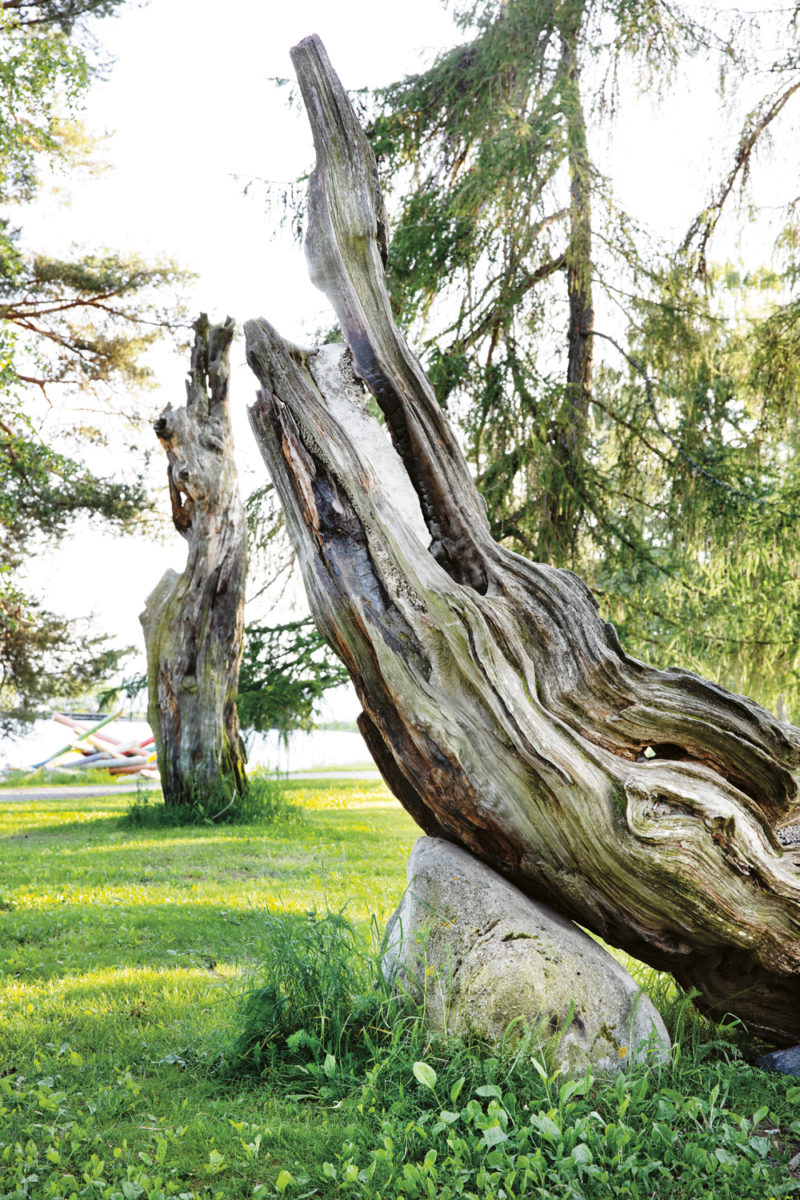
300, 752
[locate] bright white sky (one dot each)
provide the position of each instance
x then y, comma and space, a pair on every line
190, 106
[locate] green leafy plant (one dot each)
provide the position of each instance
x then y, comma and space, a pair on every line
527, 1133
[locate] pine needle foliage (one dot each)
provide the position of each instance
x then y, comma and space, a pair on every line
629, 408
285, 671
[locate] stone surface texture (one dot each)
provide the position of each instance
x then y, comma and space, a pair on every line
785, 1061
493, 962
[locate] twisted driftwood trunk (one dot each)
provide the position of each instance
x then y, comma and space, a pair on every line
193, 623
500, 707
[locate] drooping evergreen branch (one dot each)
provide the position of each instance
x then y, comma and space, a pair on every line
678, 446
706, 222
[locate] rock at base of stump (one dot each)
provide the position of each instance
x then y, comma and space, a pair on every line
785, 1061
490, 962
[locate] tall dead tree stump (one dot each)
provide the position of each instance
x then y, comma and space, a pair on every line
650, 806
194, 622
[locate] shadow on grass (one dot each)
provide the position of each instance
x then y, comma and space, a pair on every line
335, 825
45, 945
138, 1000
66, 829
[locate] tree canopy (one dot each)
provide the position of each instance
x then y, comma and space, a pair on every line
67, 325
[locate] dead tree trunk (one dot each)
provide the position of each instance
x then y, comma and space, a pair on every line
501, 708
193, 623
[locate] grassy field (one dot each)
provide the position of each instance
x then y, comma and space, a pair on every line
121, 958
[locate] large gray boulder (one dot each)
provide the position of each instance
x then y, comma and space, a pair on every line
491, 962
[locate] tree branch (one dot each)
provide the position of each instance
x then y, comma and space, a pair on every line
706, 222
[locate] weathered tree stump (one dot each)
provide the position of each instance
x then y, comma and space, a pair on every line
647, 805
194, 622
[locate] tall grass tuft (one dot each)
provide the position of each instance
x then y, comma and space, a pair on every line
693, 1032
315, 1006
263, 803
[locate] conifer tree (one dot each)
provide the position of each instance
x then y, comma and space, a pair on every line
66, 326
617, 396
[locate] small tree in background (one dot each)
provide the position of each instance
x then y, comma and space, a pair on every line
285, 671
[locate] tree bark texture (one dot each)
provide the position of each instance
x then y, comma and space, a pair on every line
194, 622
647, 805
563, 506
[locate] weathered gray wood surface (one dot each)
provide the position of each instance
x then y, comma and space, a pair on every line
193, 623
499, 705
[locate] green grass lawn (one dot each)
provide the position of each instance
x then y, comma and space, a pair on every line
121, 953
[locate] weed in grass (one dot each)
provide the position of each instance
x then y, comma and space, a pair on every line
695, 1033
315, 1006
522, 1133
264, 802
441, 1118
